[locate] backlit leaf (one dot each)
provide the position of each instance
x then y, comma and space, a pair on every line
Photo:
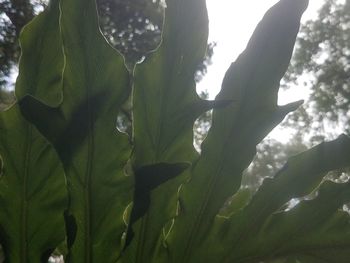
33, 194
94, 84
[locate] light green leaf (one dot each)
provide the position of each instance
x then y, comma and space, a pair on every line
83, 130
33, 194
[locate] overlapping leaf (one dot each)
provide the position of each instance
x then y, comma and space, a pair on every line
314, 231
33, 194
165, 100
251, 235
94, 83
42, 60
79, 82
252, 84
165, 107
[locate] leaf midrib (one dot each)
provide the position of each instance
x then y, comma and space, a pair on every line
24, 202
214, 179
87, 188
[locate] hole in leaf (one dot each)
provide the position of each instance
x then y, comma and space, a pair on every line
59, 254
339, 176
346, 208
295, 201
54, 258
200, 129
124, 120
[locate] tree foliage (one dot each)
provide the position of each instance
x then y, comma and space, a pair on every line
133, 27
13, 16
153, 197
323, 55
270, 158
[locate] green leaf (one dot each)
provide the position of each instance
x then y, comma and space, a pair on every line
314, 231
83, 130
178, 195
33, 193
236, 203
252, 84
165, 107
240, 234
42, 60
165, 100
300, 176
147, 179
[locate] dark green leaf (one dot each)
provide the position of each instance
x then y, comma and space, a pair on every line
252, 84
301, 175
42, 58
33, 193
147, 179
313, 231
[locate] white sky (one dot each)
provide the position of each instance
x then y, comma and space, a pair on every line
231, 23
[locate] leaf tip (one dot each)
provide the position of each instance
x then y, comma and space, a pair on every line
291, 106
